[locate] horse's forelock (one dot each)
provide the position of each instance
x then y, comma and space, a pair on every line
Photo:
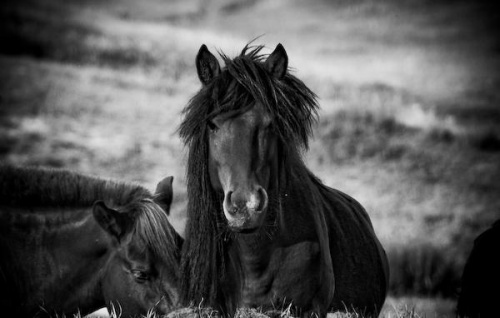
154, 229
244, 81
291, 104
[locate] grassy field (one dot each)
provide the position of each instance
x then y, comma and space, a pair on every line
409, 123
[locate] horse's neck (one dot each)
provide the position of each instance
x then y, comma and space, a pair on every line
89, 252
71, 246
255, 246
299, 205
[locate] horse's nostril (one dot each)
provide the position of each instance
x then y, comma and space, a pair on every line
228, 203
262, 199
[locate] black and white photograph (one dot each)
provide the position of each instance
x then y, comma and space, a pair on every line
249, 158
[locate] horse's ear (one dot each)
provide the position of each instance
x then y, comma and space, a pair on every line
277, 62
207, 65
115, 223
164, 193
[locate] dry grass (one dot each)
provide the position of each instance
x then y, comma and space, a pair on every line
406, 307
409, 120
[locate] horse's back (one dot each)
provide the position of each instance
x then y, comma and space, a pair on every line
359, 261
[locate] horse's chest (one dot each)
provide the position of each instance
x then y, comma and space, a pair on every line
290, 274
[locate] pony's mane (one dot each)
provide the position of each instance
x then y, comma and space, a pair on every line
244, 81
153, 228
39, 187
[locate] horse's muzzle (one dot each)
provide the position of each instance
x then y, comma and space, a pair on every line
244, 211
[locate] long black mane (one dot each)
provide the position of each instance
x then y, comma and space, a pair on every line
244, 81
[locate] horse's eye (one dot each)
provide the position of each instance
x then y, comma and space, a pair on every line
140, 276
212, 126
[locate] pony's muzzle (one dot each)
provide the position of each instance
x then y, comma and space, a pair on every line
255, 201
243, 209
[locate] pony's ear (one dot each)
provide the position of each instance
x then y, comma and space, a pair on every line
164, 194
115, 223
207, 65
277, 62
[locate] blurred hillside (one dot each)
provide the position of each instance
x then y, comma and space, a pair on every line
409, 124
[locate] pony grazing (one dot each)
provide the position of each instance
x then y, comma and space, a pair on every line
262, 230
72, 243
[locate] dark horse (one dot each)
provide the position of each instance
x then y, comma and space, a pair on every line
481, 277
72, 243
263, 231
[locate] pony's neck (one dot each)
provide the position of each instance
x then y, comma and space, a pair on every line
72, 247
92, 251
255, 253
82, 263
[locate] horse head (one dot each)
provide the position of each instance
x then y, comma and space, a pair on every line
242, 147
142, 273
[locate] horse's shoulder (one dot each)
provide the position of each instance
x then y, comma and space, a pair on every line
299, 251
341, 205
346, 217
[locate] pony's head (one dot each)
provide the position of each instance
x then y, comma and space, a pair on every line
248, 118
142, 273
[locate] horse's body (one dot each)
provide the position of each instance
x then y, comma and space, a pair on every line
263, 231
481, 277
61, 253
291, 267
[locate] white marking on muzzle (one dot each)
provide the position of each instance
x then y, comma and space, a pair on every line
253, 203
